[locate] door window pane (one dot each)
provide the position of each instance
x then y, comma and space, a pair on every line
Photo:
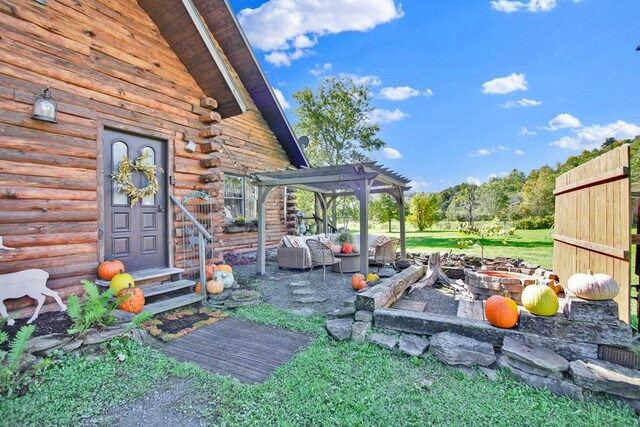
233, 202
118, 151
151, 160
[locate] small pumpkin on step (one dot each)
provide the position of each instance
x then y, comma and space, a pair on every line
134, 302
594, 287
358, 282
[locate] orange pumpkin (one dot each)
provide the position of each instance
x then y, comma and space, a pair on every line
135, 302
501, 312
209, 270
197, 288
358, 282
108, 269
347, 248
224, 267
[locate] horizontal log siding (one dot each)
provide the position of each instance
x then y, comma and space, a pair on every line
104, 61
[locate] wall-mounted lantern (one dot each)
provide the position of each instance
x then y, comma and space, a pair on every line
45, 107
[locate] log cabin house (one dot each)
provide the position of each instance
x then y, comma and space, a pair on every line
129, 78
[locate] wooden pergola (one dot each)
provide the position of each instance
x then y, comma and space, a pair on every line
328, 183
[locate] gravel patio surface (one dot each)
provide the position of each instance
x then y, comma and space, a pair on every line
298, 291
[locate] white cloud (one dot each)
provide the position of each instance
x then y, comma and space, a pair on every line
481, 152
509, 6
524, 102
391, 153
518, 152
508, 84
419, 184
401, 93
280, 25
473, 180
319, 70
278, 59
496, 175
380, 115
502, 147
563, 121
590, 137
371, 80
281, 99
524, 131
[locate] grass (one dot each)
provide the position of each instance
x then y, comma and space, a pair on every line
530, 245
329, 383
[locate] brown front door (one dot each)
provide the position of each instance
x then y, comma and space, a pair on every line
137, 235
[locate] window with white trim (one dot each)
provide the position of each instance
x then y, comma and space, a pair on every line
240, 198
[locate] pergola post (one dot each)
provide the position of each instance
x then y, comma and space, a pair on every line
263, 192
363, 199
323, 202
403, 234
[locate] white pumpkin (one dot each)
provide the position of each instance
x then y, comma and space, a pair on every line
225, 277
595, 287
355, 249
336, 249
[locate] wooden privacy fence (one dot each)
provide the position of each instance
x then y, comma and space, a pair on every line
593, 222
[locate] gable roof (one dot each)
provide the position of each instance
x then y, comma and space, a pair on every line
187, 25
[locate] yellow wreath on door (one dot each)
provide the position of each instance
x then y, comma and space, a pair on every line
122, 177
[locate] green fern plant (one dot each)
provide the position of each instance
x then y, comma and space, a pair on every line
93, 310
18, 345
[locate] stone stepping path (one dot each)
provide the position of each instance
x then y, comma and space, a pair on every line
304, 293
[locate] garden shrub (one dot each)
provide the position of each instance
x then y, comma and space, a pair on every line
536, 222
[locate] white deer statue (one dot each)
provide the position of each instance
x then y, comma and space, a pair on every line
31, 283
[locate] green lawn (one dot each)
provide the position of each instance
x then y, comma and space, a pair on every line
531, 245
327, 384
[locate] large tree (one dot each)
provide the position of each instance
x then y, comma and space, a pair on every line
537, 192
425, 210
336, 118
384, 208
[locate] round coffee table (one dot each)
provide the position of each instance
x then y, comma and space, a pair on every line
350, 263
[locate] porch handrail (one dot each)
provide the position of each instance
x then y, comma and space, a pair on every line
191, 218
203, 237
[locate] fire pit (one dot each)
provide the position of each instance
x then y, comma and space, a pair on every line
486, 283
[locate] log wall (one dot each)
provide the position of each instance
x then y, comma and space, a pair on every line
106, 64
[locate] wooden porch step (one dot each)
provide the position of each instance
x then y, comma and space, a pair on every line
163, 288
170, 304
146, 275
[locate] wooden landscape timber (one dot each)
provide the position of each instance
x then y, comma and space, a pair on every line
108, 65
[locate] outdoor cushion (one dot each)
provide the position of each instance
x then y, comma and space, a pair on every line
300, 242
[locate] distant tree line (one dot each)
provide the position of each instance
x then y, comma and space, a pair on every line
524, 200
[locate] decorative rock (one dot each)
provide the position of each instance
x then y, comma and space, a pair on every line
364, 316
590, 311
384, 340
555, 386
413, 345
300, 283
537, 357
559, 327
339, 329
598, 375
47, 342
309, 299
341, 312
567, 349
507, 362
454, 349
100, 336
73, 345
222, 296
490, 373
303, 291
122, 316
359, 331
244, 295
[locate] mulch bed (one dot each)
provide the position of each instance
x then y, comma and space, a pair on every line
170, 326
52, 322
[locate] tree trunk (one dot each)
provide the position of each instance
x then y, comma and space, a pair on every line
389, 225
434, 274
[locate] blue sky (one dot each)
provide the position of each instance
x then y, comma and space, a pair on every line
464, 90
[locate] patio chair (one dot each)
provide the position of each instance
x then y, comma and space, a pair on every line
385, 253
322, 255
